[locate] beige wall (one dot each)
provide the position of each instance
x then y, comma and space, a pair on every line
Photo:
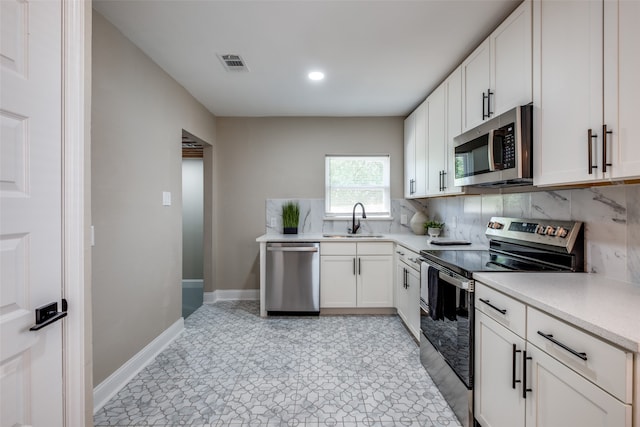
138, 115
262, 158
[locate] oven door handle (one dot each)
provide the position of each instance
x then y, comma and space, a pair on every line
461, 284
492, 163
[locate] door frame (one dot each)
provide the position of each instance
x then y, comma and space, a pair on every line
76, 101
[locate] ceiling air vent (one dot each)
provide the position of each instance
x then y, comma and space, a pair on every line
233, 62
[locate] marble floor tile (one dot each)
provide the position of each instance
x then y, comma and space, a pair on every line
231, 368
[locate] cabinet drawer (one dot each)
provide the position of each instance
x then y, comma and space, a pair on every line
502, 308
409, 257
334, 248
375, 248
598, 361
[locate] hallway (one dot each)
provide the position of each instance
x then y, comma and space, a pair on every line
231, 368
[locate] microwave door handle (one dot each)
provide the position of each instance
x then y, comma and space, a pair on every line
492, 163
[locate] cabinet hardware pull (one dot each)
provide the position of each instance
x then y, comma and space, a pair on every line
550, 337
524, 374
354, 266
489, 112
444, 187
513, 367
590, 136
501, 310
359, 266
604, 147
484, 115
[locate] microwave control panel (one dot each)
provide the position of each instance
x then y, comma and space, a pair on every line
509, 147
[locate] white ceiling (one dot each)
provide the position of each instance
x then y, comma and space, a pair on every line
380, 57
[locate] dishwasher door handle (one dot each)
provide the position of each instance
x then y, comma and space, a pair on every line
292, 249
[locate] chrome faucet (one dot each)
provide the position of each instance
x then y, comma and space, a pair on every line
355, 227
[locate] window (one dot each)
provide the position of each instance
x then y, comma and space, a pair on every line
352, 179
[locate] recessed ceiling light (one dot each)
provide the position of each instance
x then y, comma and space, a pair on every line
316, 75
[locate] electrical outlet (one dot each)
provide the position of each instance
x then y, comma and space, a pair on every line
273, 221
403, 219
453, 223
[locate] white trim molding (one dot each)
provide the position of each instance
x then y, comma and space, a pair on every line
76, 54
231, 295
116, 381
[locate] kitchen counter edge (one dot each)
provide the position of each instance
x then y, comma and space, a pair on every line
413, 242
604, 307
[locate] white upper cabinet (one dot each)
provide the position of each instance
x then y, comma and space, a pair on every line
415, 153
622, 86
497, 75
511, 62
409, 155
436, 140
476, 78
568, 89
453, 86
585, 91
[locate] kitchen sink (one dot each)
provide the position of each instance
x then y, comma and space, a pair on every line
353, 236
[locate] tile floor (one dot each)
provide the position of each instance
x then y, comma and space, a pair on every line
232, 368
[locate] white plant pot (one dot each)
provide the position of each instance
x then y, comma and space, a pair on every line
434, 232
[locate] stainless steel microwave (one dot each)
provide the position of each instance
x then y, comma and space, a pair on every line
498, 152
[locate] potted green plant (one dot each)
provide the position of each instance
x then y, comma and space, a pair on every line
290, 217
434, 228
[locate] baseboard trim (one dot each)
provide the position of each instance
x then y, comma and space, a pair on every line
231, 295
108, 388
356, 310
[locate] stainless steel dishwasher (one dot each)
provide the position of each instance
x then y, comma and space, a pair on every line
293, 278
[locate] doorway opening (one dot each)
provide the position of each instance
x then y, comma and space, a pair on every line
194, 235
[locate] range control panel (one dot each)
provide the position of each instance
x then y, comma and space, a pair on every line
547, 232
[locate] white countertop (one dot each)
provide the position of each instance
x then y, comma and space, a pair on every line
411, 241
604, 307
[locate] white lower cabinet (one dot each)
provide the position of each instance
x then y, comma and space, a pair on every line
561, 397
549, 374
356, 275
408, 290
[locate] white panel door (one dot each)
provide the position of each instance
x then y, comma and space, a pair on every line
420, 186
409, 155
454, 127
30, 196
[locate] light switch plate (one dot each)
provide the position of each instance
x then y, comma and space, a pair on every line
166, 198
403, 219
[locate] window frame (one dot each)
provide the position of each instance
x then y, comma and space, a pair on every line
385, 187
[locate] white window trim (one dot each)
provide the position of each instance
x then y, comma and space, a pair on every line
380, 216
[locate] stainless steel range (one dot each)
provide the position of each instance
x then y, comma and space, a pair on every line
447, 294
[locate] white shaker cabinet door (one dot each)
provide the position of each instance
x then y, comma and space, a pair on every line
498, 398
476, 79
561, 397
567, 91
622, 86
511, 61
375, 281
337, 281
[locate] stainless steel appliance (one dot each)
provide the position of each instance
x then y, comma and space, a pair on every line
498, 152
447, 294
293, 278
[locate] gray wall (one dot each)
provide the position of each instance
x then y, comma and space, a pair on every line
192, 219
264, 158
138, 115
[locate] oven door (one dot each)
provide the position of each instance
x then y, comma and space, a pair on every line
447, 322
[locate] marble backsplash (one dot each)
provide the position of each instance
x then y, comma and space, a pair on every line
611, 217
312, 217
